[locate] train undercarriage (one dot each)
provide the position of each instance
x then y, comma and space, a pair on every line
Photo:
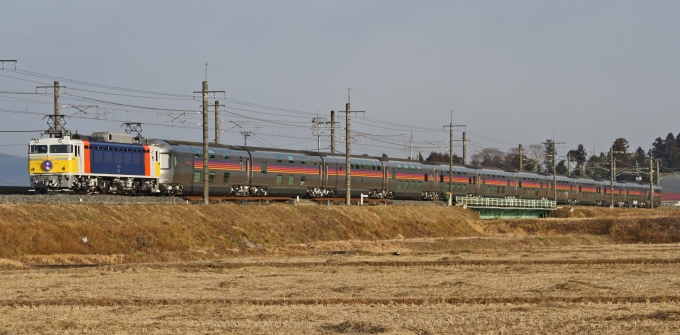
80, 184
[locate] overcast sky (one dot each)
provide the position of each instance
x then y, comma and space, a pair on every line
512, 71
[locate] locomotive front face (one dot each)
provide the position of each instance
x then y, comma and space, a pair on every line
53, 161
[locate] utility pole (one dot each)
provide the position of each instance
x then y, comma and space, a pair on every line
332, 132
246, 134
521, 158
57, 107
658, 172
612, 173
206, 171
568, 165
464, 148
56, 120
348, 150
410, 147
554, 164
651, 183
317, 121
450, 126
217, 122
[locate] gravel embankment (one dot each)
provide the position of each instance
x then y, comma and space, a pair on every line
17, 194
85, 199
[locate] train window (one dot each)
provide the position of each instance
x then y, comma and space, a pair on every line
225, 154
175, 160
420, 184
226, 177
211, 153
399, 167
291, 180
303, 160
61, 149
38, 149
197, 153
303, 180
413, 168
279, 179
291, 159
263, 168
405, 185
211, 177
399, 184
394, 175
197, 176
373, 166
278, 158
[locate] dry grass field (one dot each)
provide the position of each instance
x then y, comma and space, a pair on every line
605, 289
315, 270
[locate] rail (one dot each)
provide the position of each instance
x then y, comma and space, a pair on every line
504, 203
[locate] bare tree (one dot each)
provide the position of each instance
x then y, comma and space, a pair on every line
535, 153
488, 157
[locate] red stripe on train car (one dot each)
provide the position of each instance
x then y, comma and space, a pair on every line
86, 156
147, 160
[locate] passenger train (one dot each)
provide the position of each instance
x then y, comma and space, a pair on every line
115, 163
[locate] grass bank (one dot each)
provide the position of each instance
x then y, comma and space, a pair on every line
161, 232
145, 230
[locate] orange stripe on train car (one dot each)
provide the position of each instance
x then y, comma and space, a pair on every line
147, 160
86, 156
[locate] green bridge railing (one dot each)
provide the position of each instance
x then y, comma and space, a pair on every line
505, 203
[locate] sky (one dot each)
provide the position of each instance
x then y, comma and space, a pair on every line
512, 72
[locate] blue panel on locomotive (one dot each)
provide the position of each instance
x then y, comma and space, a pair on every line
116, 158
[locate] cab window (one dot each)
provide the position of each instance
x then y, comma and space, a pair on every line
38, 149
61, 149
